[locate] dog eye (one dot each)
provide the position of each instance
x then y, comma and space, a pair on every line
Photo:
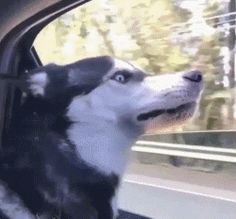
121, 77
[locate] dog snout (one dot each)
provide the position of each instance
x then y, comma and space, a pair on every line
193, 76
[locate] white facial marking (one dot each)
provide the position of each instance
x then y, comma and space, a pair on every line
118, 65
96, 132
101, 145
38, 83
11, 205
168, 92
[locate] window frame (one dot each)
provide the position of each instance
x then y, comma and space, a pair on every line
16, 51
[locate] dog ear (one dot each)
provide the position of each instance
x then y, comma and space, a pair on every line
37, 83
47, 82
33, 83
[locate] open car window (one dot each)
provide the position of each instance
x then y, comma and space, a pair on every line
165, 36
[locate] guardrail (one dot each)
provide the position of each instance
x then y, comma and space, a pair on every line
189, 151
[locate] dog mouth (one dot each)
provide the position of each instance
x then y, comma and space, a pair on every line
155, 113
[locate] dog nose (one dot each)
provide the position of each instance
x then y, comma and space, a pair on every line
194, 76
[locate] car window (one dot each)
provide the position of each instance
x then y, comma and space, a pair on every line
165, 36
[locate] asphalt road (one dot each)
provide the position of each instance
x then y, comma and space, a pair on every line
170, 202
167, 192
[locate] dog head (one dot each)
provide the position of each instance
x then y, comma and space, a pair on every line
108, 89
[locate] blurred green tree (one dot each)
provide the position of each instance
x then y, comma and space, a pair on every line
158, 35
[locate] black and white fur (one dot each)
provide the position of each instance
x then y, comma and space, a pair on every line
69, 143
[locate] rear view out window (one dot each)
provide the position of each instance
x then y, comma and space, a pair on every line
165, 36
160, 36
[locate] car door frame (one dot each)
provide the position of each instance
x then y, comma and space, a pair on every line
21, 21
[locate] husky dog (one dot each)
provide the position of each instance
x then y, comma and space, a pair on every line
69, 142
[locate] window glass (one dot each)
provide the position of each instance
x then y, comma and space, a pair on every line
163, 36
160, 36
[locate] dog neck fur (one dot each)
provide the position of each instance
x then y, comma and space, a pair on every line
101, 145
99, 137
